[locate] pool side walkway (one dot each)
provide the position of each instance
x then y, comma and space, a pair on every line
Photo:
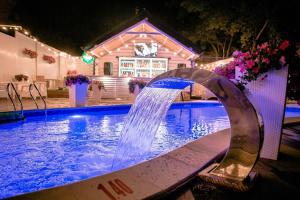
277, 179
28, 104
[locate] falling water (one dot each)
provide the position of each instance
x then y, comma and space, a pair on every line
142, 124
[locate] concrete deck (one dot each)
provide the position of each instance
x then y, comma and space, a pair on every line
277, 179
28, 104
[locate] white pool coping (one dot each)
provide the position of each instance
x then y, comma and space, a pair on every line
148, 179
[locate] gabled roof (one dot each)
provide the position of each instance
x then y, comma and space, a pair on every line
142, 24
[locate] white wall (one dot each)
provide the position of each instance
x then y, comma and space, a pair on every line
13, 61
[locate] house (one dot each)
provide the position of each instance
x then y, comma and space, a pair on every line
140, 47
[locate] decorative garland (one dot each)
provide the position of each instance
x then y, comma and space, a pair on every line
30, 53
48, 59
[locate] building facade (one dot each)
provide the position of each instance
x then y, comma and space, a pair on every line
140, 49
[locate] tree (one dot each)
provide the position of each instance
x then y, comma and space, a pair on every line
225, 26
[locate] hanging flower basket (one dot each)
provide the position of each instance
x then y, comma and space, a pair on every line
29, 53
48, 59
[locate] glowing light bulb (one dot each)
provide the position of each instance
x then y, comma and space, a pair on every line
4, 28
26, 32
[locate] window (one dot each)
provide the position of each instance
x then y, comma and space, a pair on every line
108, 69
142, 67
181, 65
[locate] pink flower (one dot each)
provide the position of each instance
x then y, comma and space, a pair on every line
242, 69
250, 64
237, 54
264, 45
284, 45
282, 60
266, 60
246, 55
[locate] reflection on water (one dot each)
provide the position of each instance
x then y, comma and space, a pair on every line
38, 153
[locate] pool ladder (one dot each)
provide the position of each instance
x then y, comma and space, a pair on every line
33, 86
11, 85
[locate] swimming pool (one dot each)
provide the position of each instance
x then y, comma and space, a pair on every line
75, 144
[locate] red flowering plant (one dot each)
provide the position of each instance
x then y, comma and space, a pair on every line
141, 83
48, 59
254, 65
76, 79
30, 53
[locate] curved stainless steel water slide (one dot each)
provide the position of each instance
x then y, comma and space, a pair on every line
246, 137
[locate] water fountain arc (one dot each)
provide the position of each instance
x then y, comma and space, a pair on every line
246, 136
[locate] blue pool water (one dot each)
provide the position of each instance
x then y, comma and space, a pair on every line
75, 144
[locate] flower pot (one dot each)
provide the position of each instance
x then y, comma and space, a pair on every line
135, 92
96, 92
78, 94
268, 97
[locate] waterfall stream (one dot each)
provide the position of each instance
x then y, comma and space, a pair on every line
141, 125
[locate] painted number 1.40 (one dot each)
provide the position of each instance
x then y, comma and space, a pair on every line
118, 186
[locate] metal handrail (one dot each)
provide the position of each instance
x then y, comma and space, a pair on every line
30, 88
17, 94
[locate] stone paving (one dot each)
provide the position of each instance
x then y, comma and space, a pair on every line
277, 179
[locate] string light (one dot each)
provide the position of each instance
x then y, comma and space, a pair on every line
27, 33
118, 49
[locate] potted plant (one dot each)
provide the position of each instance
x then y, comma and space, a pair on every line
21, 77
48, 59
97, 87
135, 86
30, 53
262, 75
78, 85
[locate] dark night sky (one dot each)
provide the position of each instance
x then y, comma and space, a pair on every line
68, 25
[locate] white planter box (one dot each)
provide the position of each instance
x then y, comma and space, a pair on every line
96, 92
268, 97
78, 95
